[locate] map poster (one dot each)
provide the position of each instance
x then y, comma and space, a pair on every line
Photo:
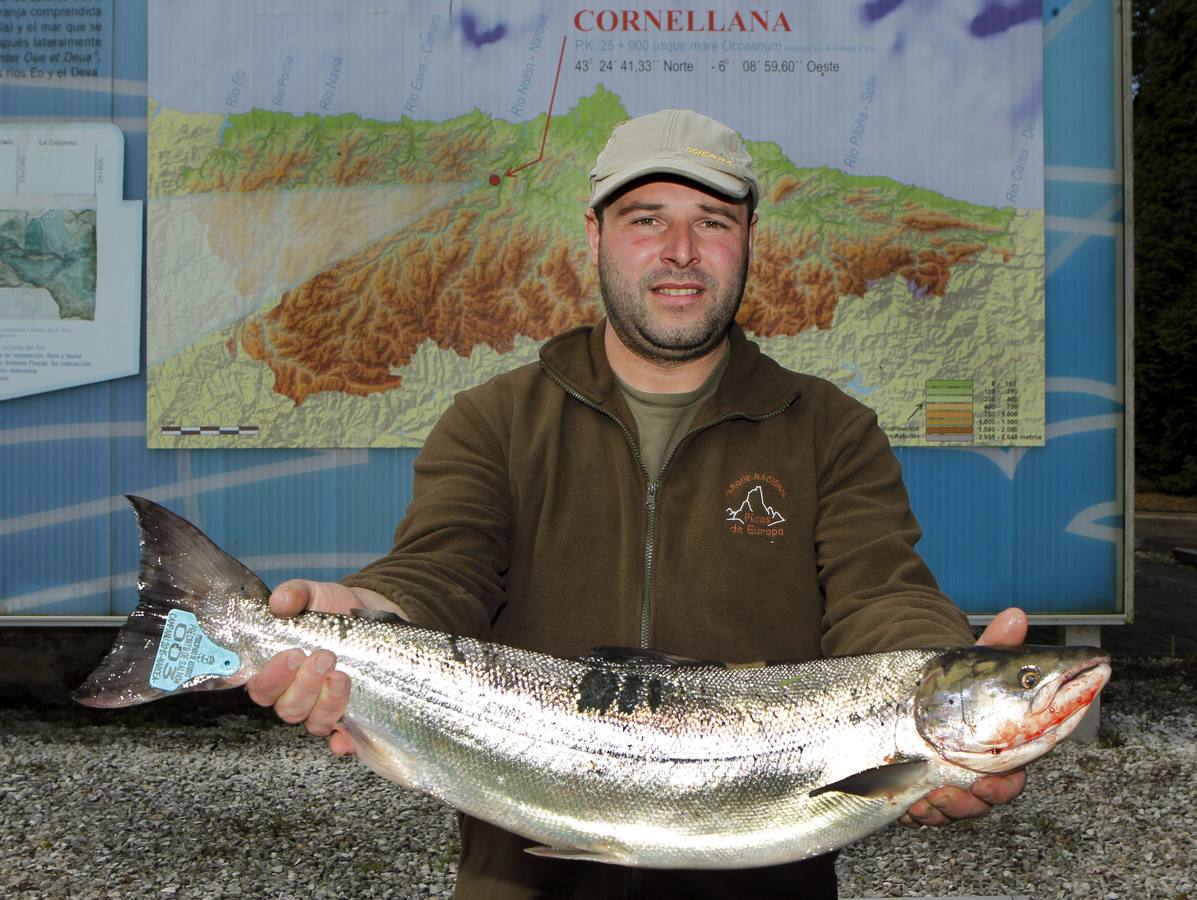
357, 210
70, 259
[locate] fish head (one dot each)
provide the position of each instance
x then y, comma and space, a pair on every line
995, 709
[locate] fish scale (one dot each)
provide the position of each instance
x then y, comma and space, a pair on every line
626, 756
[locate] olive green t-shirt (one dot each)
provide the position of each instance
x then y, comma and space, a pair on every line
663, 419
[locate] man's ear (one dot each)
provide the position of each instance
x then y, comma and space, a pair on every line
592, 234
751, 235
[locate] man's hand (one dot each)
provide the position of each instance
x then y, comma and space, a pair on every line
1008, 629
304, 688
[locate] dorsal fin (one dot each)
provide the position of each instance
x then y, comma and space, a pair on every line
636, 656
379, 615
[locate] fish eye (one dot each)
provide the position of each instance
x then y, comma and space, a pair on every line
1028, 677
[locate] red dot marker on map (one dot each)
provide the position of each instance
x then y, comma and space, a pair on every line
495, 179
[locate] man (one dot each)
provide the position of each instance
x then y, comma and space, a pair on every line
656, 481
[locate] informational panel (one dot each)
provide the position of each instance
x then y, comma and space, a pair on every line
364, 252
56, 43
1041, 526
70, 258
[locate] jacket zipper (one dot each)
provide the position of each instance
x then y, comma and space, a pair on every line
650, 503
650, 500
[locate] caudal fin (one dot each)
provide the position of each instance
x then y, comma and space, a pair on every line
185, 580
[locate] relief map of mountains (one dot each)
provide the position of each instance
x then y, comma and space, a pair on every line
352, 217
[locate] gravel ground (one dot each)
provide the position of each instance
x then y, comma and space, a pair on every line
211, 799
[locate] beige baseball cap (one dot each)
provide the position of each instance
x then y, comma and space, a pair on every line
675, 142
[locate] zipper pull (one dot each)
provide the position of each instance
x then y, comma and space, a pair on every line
650, 502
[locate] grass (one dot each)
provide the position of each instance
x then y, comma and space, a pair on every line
1155, 501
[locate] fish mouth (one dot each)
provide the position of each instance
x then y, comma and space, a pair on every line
1076, 686
1057, 708
1060, 704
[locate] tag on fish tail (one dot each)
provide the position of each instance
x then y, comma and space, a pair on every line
880, 781
186, 653
158, 652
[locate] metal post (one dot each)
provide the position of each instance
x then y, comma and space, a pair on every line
1086, 636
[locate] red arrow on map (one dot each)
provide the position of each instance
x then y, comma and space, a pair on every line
552, 98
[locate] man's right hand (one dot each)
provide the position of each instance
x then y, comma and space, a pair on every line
309, 689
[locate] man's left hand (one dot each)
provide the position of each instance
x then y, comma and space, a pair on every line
947, 804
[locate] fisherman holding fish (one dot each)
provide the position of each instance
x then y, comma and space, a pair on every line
654, 482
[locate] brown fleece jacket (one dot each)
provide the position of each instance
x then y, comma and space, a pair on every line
779, 529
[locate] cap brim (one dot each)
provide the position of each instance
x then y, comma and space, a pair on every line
720, 182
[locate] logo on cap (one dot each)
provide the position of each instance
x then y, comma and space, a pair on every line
707, 154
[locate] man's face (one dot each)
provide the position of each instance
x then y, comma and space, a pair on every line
672, 260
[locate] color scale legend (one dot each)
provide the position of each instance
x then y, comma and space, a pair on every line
950, 409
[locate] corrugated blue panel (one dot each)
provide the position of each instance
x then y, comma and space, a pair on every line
1085, 343
965, 504
131, 29
1063, 405
1081, 200
1057, 496
1080, 95
1041, 527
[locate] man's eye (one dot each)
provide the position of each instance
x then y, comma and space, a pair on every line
713, 223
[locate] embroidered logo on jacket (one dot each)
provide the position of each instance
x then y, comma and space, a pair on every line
754, 514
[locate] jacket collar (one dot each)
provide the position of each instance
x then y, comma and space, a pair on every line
753, 384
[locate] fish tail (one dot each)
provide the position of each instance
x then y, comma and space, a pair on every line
185, 583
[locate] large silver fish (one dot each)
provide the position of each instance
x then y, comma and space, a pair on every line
625, 757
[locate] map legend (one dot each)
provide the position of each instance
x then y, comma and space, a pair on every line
950, 409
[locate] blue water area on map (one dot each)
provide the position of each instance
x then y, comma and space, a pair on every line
480, 38
879, 9
856, 386
996, 18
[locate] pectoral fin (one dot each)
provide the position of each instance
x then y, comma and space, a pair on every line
599, 856
376, 757
880, 781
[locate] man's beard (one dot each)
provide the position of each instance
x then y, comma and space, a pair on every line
628, 313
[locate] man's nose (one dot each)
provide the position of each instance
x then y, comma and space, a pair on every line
680, 249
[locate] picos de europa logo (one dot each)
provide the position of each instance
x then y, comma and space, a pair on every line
756, 506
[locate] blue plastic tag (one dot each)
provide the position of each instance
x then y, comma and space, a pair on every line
185, 653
